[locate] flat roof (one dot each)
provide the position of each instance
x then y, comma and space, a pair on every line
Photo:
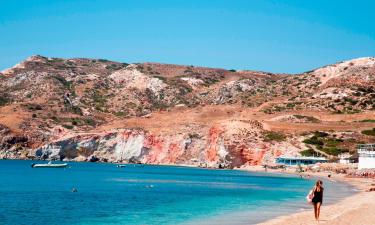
301, 158
367, 147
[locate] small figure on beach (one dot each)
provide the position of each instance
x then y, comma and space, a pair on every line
317, 198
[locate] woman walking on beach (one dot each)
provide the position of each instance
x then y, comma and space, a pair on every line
317, 199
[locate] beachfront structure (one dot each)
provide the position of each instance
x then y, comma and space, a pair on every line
366, 158
346, 158
300, 160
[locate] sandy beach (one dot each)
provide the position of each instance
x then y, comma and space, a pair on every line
355, 209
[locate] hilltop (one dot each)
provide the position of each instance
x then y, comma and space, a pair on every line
173, 114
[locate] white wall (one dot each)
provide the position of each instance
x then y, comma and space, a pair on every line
366, 162
344, 161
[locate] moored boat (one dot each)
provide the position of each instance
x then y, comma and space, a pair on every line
49, 165
121, 165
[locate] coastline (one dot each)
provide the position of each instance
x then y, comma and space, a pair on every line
354, 209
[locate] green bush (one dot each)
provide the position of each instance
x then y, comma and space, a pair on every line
367, 121
274, 136
320, 134
369, 132
332, 142
194, 135
4, 100
67, 126
308, 152
121, 114
63, 81
333, 151
308, 118
34, 107
290, 105
77, 110
54, 118
90, 122
313, 141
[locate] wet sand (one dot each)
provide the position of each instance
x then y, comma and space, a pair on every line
355, 209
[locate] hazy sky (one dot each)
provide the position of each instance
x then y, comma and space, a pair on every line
277, 36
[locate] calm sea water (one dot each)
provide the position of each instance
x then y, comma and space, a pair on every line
147, 194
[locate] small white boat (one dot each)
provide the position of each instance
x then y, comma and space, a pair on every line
121, 165
49, 165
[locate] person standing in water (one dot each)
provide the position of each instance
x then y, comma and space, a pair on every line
317, 199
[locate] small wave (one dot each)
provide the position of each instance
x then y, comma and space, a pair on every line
205, 183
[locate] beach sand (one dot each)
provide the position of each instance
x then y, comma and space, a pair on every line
357, 209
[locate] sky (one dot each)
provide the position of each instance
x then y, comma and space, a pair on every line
285, 36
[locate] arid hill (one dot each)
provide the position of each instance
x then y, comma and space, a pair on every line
172, 114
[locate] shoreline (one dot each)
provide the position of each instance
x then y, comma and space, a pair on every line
354, 209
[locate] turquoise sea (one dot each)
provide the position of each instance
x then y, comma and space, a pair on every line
146, 194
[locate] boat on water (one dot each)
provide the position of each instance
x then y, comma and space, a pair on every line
121, 165
49, 165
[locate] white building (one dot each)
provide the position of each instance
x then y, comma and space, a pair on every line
366, 158
299, 160
346, 158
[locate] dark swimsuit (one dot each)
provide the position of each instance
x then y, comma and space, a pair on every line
318, 196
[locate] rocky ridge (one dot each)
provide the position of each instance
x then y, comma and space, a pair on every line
99, 110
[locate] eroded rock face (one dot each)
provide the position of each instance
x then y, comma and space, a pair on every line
227, 145
12, 145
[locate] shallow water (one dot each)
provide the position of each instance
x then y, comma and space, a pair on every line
145, 194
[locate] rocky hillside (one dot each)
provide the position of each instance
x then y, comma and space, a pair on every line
170, 114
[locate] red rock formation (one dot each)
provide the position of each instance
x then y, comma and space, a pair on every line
253, 155
213, 141
174, 152
156, 145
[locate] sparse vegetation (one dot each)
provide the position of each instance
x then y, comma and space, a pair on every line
4, 100
308, 152
75, 110
103, 60
367, 121
369, 132
99, 100
67, 126
325, 143
273, 136
120, 114
307, 118
314, 140
334, 150
194, 136
63, 81
33, 107
90, 122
